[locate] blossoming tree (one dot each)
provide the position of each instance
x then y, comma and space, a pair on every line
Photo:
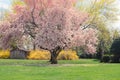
52, 24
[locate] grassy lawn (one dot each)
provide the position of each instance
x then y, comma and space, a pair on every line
66, 70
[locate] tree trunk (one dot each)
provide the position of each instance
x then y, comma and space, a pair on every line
54, 53
34, 46
102, 54
54, 58
100, 50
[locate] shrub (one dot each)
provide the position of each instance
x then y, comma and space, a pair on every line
68, 55
87, 56
106, 58
39, 55
116, 59
4, 54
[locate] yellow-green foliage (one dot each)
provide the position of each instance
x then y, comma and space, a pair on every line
39, 55
68, 55
4, 54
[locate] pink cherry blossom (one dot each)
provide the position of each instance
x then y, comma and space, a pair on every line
49, 24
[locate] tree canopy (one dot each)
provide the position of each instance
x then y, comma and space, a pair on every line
50, 24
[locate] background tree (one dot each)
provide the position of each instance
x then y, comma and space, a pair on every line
52, 25
102, 13
115, 50
115, 34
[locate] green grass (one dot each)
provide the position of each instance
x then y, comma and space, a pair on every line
66, 70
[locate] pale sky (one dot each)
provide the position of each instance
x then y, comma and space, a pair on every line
117, 24
5, 4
